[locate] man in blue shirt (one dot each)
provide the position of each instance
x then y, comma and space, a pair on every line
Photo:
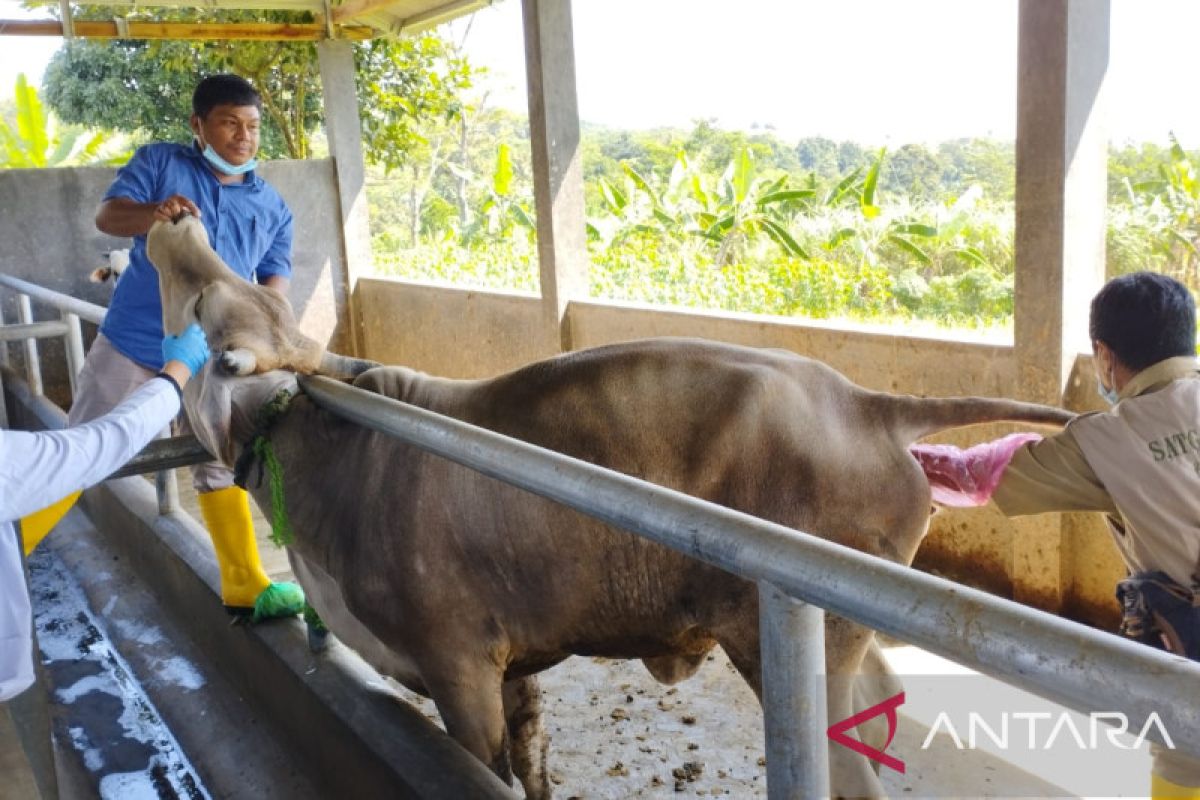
250, 227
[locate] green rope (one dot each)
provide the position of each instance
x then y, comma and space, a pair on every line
281, 526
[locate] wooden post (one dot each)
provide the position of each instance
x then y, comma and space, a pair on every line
1061, 197
344, 132
557, 174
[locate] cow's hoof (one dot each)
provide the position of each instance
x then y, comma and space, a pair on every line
318, 638
237, 362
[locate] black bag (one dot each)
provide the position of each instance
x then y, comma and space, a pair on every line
1158, 611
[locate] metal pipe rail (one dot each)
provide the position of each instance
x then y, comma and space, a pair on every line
161, 457
64, 302
163, 454
1063, 661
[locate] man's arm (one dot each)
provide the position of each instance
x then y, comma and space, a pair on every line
274, 270
279, 283
121, 216
1021, 477
1051, 475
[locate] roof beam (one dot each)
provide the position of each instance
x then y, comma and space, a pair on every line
244, 31
355, 9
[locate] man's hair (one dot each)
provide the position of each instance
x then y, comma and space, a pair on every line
1144, 318
222, 90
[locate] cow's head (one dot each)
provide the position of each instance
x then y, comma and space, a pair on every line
223, 409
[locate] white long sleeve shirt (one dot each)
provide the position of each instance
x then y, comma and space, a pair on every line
38, 469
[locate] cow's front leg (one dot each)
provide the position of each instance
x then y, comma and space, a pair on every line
527, 735
468, 696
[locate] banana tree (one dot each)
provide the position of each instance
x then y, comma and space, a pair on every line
35, 139
870, 230
744, 207
502, 212
633, 207
1171, 203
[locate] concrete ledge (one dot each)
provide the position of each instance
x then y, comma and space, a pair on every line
346, 729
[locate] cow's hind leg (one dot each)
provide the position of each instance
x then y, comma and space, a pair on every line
527, 735
741, 643
850, 774
845, 644
468, 697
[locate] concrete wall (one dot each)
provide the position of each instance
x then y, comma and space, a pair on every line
48, 237
468, 333
453, 332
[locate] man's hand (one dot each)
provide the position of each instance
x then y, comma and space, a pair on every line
120, 216
967, 478
175, 206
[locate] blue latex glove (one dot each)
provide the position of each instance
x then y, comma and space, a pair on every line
190, 348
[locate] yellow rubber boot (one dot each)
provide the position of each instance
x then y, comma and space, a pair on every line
245, 587
35, 526
1160, 787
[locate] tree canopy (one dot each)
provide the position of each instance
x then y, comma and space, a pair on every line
145, 87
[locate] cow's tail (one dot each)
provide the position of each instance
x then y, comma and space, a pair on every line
911, 418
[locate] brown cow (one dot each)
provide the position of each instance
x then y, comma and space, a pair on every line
464, 588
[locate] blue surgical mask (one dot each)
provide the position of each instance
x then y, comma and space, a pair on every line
1110, 396
223, 166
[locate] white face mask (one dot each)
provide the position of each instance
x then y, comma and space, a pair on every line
1108, 393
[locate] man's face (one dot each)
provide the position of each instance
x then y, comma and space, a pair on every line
231, 130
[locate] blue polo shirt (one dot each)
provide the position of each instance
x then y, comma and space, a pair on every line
248, 225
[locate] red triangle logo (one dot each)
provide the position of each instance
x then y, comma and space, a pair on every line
837, 731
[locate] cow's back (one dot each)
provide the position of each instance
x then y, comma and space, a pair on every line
766, 432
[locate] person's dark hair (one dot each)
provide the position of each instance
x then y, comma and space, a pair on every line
1144, 318
224, 89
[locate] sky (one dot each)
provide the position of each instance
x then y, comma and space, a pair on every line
878, 71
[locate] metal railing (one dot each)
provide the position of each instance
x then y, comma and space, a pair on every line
798, 575
161, 456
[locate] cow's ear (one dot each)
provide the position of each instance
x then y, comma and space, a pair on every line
222, 409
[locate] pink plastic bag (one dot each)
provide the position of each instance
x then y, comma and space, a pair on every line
966, 478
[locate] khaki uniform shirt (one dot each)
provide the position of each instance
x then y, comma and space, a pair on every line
1139, 463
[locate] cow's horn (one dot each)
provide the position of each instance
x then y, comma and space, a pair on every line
344, 367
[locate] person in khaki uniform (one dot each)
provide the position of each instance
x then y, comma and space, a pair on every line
1138, 463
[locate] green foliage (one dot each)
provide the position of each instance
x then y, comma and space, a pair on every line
144, 88
502, 212
1157, 225
409, 90
664, 228
31, 138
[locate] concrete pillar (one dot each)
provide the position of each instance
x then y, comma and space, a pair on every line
557, 173
342, 128
1062, 149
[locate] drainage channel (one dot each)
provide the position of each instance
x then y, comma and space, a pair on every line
100, 706
139, 708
